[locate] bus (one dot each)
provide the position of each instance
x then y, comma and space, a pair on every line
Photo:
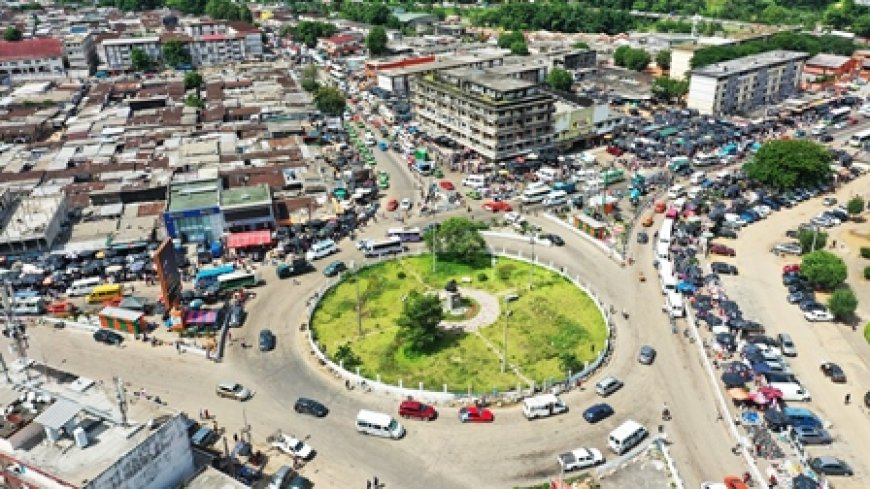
82, 286
389, 246
535, 193
405, 235
840, 114
104, 293
237, 280
209, 276
859, 138
30, 304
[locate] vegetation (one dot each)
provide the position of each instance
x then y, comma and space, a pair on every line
194, 100
556, 16
789, 41
865, 252
560, 79
175, 54
330, 101
345, 356
308, 32
515, 41
812, 240
192, 80
823, 269
418, 323
370, 13
787, 164
140, 60
663, 59
667, 89
867, 272
631, 58
376, 41
12, 34
843, 303
457, 239
855, 205
309, 78
580, 45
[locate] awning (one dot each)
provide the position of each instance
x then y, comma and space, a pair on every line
200, 316
250, 238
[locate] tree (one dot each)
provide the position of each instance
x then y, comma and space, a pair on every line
245, 15
843, 303
520, 48
309, 78
192, 79
376, 41
812, 240
330, 101
855, 205
457, 239
175, 53
823, 269
559, 79
194, 100
140, 60
507, 39
619, 55
663, 59
667, 89
418, 322
345, 356
787, 164
309, 32
12, 34
637, 59
580, 45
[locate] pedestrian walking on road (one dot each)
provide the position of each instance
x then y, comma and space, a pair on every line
375, 483
848, 398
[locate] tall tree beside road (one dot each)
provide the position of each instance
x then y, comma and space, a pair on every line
330, 101
855, 206
668, 89
309, 78
140, 60
812, 240
12, 34
787, 164
663, 59
418, 323
823, 269
175, 53
376, 41
560, 79
457, 239
843, 303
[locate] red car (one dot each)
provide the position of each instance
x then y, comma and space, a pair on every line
392, 205
615, 151
446, 185
791, 267
474, 414
416, 409
496, 206
720, 249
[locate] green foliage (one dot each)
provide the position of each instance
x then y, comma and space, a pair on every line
619, 55
140, 60
482, 277
418, 323
787, 164
457, 239
187, 6
330, 101
175, 53
867, 272
192, 80
569, 361
633, 59
865, 252
843, 303
310, 85
308, 32
225, 10
376, 41
667, 89
788, 41
401, 276
12, 34
559, 79
285, 30
580, 45
823, 269
855, 205
520, 48
309, 78
557, 16
369, 13
663, 59
194, 100
506, 39
345, 355
808, 237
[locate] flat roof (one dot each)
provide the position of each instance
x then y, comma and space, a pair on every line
131, 40
749, 63
31, 218
828, 60
199, 194
489, 79
245, 196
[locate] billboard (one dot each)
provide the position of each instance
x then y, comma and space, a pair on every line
168, 273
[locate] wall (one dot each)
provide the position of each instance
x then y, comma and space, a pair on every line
680, 63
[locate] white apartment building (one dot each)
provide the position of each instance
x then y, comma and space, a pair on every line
116, 52
81, 54
31, 60
218, 43
746, 84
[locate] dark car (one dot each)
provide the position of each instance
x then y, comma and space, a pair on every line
552, 238
720, 249
725, 232
796, 297
108, 337
267, 340
334, 268
597, 412
642, 237
830, 466
809, 435
646, 355
723, 268
310, 406
832, 370
808, 305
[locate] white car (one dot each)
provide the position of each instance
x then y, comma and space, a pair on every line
608, 385
514, 218
405, 205
292, 446
817, 315
363, 244
580, 458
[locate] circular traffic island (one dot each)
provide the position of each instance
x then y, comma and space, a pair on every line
403, 323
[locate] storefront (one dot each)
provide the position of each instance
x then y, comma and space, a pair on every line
249, 239
120, 319
590, 226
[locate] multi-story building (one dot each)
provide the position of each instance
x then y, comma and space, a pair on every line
81, 54
31, 59
117, 52
746, 84
497, 116
213, 43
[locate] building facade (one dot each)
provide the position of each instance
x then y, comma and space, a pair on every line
497, 116
117, 52
81, 55
746, 84
31, 60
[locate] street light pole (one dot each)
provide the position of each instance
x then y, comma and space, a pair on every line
532, 242
434, 247
507, 314
358, 304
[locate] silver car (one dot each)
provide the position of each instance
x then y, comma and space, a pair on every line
786, 345
608, 385
646, 355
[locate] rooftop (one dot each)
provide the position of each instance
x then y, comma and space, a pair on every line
244, 196
184, 196
828, 60
30, 218
750, 63
30, 49
489, 79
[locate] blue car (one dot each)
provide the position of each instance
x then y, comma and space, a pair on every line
749, 217
686, 288
597, 412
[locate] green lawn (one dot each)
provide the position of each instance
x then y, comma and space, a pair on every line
553, 317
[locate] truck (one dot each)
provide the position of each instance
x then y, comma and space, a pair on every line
568, 187
580, 458
612, 176
679, 163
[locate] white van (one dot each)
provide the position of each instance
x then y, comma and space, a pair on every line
626, 437
321, 249
792, 391
734, 219
556, 197
542, 406
547, 175
379, 424
82, 287
675, 304
663, 251
474, 181
535, 193
676, 191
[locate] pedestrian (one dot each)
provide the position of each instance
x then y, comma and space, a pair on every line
848, 398
369, 484
201, 413
205, 413
375, 482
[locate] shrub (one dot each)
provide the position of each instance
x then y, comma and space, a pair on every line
401, 275
482, 277
865, 252
505, 271
867, 272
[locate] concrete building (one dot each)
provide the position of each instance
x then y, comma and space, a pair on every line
746, 84
31, 59
29, 223
212, 43
81, 54
497, 116
193, 211
117, 52
247, 208
831, 65
398, 80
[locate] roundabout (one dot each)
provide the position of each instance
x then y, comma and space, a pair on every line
552, 327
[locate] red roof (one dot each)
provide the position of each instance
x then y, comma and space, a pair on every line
341, 39
249, 238
30, 49
212, 37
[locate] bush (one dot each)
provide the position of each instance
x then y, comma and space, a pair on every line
867, 272
865, 252
401, 275
482, 277
505, 271
843, 303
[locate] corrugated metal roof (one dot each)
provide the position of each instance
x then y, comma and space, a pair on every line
58, 414
121, 313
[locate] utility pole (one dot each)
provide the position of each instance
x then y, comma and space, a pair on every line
358, 303
507, 314
434, 247
15, 329
5, 369
532, 242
